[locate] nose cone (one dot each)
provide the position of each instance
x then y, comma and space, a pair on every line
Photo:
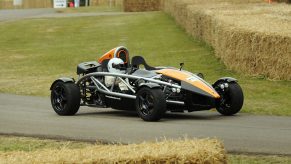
200, 87
191, 82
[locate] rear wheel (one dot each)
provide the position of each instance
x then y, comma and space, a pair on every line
231, 100
150, 104
65, 98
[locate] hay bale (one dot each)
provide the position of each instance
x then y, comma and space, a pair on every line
6, 4
254, 53
180, 151
105, 2
286, 1
141, 5
249, 38
27, 4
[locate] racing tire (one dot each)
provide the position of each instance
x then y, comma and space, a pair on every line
150, 104
65, 98
231, 100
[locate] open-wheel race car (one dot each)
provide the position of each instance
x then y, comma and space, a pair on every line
120, 83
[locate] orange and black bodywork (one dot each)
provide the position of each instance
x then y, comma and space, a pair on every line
150, 91
190, 82
197, 93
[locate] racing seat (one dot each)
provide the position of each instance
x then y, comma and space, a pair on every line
104, 64
136, 61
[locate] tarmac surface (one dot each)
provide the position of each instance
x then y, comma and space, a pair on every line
19, 14
11, 14
243, 133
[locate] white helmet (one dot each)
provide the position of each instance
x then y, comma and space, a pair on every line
114, 65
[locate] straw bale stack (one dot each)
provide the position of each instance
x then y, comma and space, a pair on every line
105, 2
37, 4
250, 38
287, 1
180, 151
141, 5
6, 4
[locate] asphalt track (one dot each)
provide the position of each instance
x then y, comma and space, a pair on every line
12, 15
19, 14
243, 133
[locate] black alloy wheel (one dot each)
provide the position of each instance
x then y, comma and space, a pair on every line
65, 98
150, 104
231, 100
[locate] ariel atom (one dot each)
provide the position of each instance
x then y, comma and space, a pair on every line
120, 83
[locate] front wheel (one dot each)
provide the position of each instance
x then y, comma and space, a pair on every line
150, 104
65, 98
231, 100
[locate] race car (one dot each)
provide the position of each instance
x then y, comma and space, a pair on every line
117, 82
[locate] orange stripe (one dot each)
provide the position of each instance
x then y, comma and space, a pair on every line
183, 76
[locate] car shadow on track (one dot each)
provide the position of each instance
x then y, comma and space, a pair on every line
115, 113
204, 115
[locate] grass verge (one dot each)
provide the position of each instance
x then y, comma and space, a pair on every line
258, 159
33, 53
91, 9
28, 144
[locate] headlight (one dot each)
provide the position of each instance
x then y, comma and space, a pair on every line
174, 90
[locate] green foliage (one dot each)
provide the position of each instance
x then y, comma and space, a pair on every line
9, 143
258, 159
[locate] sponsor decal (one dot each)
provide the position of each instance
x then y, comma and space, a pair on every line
192, 79
60, 3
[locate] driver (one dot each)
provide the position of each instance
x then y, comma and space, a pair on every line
117, 66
